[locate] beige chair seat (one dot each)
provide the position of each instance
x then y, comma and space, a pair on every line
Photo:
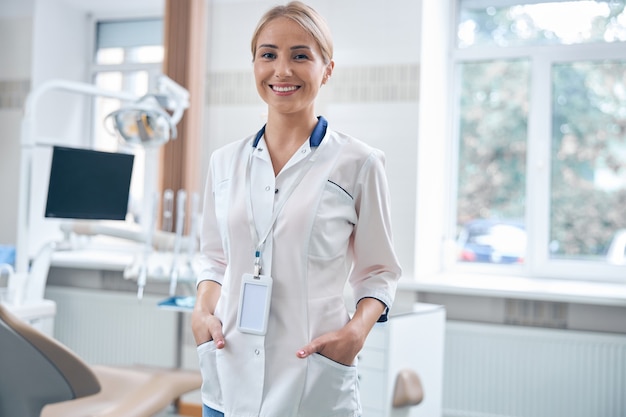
128, 392
41, 377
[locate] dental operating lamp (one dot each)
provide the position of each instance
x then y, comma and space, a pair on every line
145, 122
148, 121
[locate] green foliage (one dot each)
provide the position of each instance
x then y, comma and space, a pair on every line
492, 171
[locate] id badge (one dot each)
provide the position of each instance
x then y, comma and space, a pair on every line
254, 304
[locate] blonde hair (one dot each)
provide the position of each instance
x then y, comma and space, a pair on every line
311, 21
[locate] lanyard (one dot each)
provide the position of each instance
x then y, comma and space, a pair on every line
316, 137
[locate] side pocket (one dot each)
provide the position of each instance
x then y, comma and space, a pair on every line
211, 390
330, 389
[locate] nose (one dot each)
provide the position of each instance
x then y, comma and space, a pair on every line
282, 68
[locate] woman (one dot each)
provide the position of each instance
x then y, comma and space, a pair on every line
299, 209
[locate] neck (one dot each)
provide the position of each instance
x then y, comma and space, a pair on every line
284, 134
286, 130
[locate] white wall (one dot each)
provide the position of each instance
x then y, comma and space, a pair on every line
15, 64
15, 59
60, 45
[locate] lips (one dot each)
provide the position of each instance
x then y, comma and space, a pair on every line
284, 88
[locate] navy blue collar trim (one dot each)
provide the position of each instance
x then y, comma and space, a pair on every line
316, 136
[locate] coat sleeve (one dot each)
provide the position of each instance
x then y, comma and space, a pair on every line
211, 261
376, 269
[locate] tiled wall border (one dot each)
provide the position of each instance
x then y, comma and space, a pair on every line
392, 83
13, 93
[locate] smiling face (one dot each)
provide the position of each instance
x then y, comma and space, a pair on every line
289, 68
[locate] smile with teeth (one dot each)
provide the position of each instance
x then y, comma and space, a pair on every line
284, 89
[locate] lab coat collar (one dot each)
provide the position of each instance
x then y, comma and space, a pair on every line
319, 131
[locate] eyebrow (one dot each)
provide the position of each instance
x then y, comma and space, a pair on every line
269, 45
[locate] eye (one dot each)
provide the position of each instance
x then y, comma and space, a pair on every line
267, 55
302, 54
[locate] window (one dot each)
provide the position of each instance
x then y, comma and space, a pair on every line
128, 55
541, 137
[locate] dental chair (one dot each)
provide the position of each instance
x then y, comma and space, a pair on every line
41, 377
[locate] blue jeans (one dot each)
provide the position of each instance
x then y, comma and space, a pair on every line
209, 412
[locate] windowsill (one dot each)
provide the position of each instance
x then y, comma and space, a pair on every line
567, 291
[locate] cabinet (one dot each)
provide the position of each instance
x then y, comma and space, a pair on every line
413, 340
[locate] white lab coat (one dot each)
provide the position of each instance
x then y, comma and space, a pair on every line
335, 226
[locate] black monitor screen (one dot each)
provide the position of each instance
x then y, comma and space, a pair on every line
88, 184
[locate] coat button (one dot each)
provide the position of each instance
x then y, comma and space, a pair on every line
257, 352
267, 188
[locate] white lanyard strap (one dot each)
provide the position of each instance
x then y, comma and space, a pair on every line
253, 230
315, 140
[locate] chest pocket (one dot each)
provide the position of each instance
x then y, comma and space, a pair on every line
334, 222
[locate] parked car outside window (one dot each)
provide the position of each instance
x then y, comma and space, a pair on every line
492, 241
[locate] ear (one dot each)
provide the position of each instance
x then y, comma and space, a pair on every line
328, 71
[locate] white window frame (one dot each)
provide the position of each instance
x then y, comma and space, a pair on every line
537, 263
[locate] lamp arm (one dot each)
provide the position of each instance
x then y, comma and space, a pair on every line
177, 93
33, 98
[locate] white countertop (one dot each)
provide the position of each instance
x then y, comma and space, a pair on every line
107, 260
126, 258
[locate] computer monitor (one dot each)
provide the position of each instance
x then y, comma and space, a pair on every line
88, 184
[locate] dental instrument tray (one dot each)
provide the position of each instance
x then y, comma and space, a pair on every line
178, 303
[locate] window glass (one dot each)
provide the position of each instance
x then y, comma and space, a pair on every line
492, 161
110, 56
559, 22
141, 55
588, 192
